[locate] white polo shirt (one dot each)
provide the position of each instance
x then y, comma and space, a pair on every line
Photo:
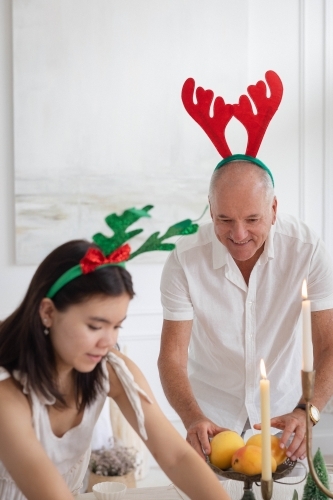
235, 325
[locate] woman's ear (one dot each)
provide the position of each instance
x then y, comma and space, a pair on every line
46, 312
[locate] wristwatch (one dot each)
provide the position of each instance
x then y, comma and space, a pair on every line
314, 412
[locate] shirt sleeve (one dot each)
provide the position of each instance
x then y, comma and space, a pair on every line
175, 296
320, 282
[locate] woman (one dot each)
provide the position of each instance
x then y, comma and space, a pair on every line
58, 363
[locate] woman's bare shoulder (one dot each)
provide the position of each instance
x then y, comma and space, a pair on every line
13, 401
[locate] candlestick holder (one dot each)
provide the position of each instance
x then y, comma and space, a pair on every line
266, 489
266, 486
308, 379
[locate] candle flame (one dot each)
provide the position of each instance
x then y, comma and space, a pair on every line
304, 290
262, 369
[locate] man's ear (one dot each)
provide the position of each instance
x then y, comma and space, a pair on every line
274, 210
210, 209
46, 311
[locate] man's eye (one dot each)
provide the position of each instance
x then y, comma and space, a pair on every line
117, 327
92, 327
252, 220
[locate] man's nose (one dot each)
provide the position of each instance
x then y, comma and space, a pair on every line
239, 231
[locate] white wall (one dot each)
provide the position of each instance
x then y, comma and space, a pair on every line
292, 37
13, 278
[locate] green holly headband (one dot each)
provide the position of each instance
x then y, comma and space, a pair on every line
114, 251
214, 124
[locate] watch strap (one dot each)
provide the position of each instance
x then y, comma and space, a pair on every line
302, 406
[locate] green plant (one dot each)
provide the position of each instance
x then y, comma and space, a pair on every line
311, 490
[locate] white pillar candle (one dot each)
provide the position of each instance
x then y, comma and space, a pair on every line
307, 363
266, 450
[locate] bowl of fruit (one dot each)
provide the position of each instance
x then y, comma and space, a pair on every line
232, 458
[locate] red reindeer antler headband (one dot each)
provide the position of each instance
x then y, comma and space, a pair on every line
255, 124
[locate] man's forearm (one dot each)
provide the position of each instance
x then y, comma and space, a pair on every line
178, 391
323, 389
322, 335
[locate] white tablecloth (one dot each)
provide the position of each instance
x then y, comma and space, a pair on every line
160, 493
234, 488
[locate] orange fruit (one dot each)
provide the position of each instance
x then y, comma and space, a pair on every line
247, 460
278, 453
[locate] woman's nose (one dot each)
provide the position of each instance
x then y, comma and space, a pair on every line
108, 339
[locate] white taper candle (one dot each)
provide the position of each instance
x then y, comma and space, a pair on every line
307, 349
266, 474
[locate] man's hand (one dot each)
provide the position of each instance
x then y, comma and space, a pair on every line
198, 434
291, 423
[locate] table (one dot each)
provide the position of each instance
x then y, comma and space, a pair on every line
160, 493
234, 488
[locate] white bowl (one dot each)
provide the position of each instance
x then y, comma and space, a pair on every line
109, 490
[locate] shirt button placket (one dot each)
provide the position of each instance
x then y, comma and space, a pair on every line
250, 358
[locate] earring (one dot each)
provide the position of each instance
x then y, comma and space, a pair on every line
46, 330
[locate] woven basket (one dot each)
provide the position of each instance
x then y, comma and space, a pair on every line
128, 479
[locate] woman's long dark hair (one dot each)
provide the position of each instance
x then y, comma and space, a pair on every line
23, 344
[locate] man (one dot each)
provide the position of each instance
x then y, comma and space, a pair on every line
231, 295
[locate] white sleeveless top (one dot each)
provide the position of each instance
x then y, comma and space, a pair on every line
71, 453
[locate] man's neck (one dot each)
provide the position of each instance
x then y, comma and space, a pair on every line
246, 266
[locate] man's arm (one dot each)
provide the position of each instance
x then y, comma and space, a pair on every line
172, 364
295, 422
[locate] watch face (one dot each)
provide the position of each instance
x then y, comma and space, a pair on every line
314, 413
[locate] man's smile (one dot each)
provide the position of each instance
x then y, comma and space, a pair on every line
239, 242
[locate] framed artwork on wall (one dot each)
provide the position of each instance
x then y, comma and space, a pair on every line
99, 125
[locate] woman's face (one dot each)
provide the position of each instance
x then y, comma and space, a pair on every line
85, 332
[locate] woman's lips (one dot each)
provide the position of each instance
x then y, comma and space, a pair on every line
96, 358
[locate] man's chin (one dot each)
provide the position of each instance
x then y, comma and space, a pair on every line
241, 254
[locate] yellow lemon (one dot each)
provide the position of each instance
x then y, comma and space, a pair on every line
223, 446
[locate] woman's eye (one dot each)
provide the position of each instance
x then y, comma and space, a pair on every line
92, 327
117, 327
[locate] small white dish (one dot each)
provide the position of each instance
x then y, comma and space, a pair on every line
109, 490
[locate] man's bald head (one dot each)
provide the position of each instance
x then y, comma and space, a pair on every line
239, 173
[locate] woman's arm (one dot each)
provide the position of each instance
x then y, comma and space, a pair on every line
21, 452
175, 456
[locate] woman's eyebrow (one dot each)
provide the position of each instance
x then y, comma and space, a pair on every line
97, 318
103, 320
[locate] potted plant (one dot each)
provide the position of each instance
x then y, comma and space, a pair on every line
116, 463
